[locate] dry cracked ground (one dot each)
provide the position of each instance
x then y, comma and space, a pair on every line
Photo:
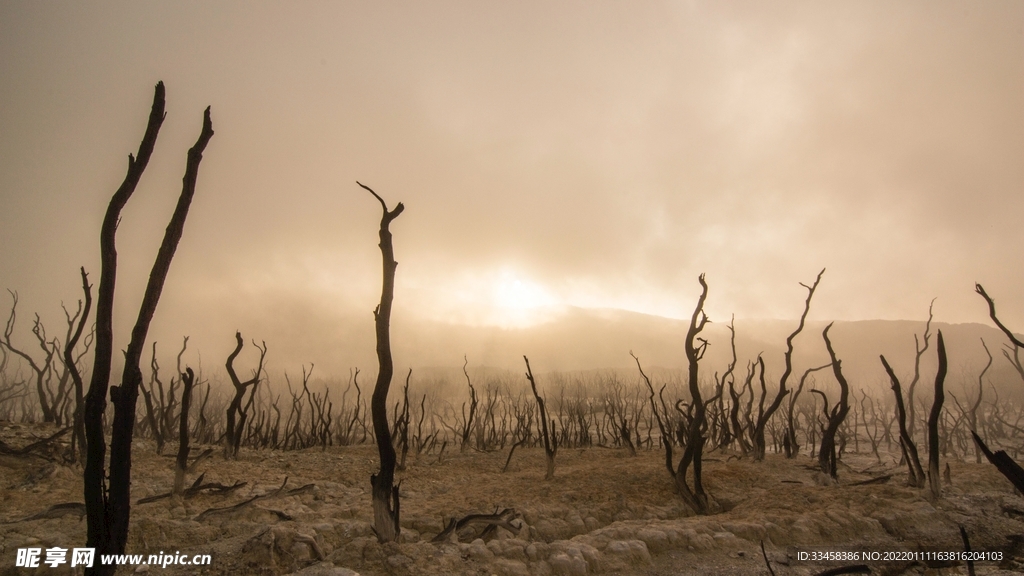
605, 513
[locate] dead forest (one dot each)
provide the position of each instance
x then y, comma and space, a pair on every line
915, 434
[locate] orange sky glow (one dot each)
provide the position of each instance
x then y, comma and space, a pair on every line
550, 157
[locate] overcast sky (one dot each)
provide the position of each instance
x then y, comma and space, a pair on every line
595, 154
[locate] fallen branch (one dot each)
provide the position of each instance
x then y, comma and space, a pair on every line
302, 489
8, 451
876, 480
766, 562
212, 511
214, 487
279, 513
206, 454
240, 505
490, 521
512, 451
1002, 461
55, 511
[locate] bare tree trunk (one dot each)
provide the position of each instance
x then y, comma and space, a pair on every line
468, 420
95, 483
764, 416
790, 443
236, 415
42, 370
695, 347
188, 378
1017, 343
919, 351
108, 507
916, 473
827, 454
548, 434
973, 415
385, 493
69, 360
934, 483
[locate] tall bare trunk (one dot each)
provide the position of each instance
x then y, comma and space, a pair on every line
827, 454
934, 483
108, 507
916, 473
385, 493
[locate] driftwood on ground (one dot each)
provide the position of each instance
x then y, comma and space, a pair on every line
1002, 461
489, 523
28, 449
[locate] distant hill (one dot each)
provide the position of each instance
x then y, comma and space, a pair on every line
581, 339
576, 339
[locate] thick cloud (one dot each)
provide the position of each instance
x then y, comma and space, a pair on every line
587, 155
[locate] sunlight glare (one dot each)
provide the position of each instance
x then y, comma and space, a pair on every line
513, 293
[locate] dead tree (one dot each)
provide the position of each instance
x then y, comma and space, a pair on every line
729, 423
764, 416
42, 370
919, 351
188, 378
663, 423
154, 413
108, 507
915, 476
78, 428
402, 422
694, 347
827, 453
10, 389
64, 396
972, 415
872, 433
468, 420
789, 442
236, 416
740, 429
1017, 343
548, 435
1002, 461
934, 483
385, 493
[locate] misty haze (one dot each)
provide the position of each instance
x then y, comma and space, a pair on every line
512, 288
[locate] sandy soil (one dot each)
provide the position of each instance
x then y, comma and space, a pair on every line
605, 513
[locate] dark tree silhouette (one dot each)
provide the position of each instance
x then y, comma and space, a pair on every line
933, 420
694, 346
188, 379
764, 416
42, 370
236, 415
108, 506
789, 442
919, 351
78, 434
468, 419
663, 423
548, 434
972, 414
1017, 343
916, 473
827, 452
1002, 461
385, 493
